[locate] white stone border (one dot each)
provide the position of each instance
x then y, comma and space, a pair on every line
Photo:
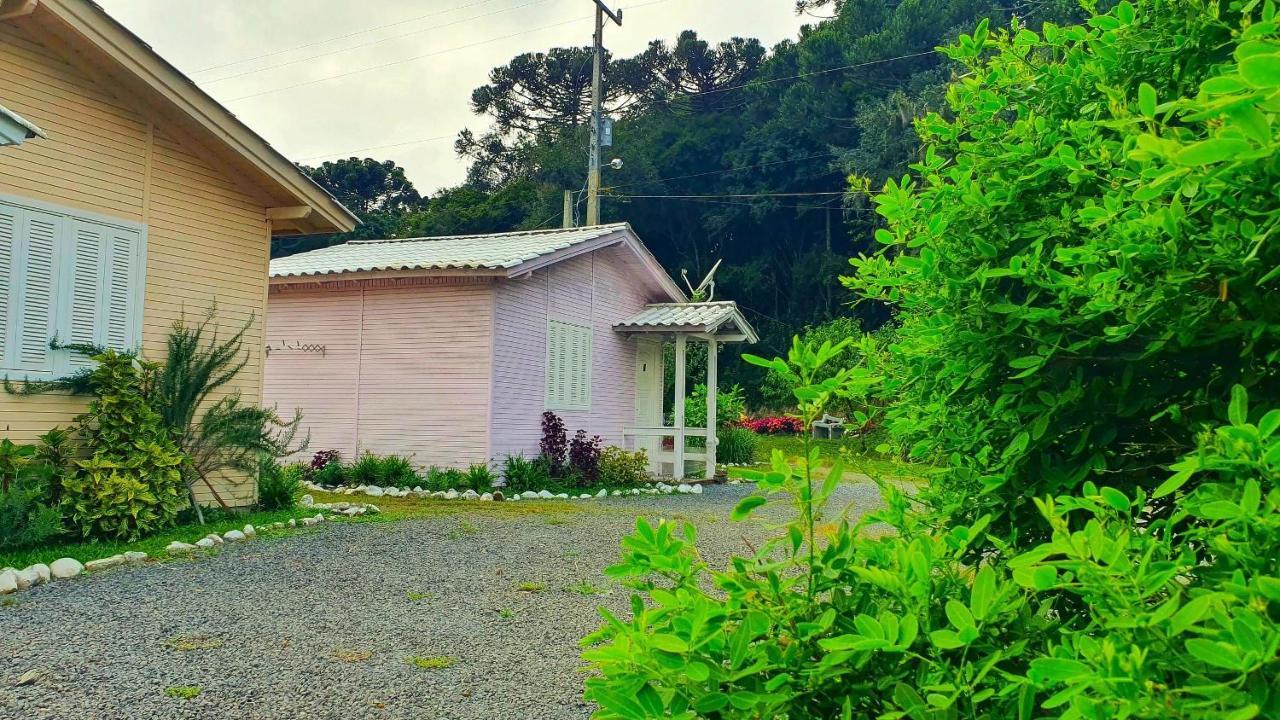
497, 495
13, 580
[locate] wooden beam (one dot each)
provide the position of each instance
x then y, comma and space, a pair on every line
678, 466
298, 212
21, 8
712, 379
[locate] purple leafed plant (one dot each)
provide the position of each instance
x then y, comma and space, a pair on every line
555, 442
584, 457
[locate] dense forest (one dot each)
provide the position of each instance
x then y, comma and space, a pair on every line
731, 150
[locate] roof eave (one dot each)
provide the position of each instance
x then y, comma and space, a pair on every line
623, 235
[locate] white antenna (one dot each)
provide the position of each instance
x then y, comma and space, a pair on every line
708, 284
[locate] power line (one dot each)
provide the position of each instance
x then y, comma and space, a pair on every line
375, 147
754, 84
372, 42
430, 54
338, 37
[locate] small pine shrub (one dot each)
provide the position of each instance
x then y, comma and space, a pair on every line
480, 478
737, 446
622, 468
279, 486
27, 517
520, 473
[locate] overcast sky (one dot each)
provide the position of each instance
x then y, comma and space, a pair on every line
322, 79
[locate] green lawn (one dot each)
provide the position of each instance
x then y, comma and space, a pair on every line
856, 460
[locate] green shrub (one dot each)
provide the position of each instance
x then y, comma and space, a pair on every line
279, 486
331, 474
480, 478
131, 485
366, 470
1089, 238
521, 474
737, 446
398, 472
446, 479
623, 468
27, 515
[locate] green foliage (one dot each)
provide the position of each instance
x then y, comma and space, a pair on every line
27, 514
520, 474
279, 486
731, 406
131, 485
737, 446
623, 468
331, 474
445, 479
222, 434
480, 478
1089, 238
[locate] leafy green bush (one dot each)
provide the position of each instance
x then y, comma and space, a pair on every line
27, 515
520, 474
737, 446
332, 474
731, 406
397, 471
366, 470
480, 478
446, 479
279, 486
623, 468
131, 485
1089, 237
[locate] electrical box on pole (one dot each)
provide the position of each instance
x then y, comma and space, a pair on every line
606, 132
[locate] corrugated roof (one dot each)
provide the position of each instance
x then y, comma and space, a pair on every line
494, 252
708, 316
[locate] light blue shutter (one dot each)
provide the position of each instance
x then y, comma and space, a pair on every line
9, 222
85, 306
123, 273
37, 253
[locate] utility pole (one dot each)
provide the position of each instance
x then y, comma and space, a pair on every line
593, 165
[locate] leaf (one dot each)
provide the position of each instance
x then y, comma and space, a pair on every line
959, 615
1115, 498
1269, 424
983, 592
669, 643
1056, 670
1208, 152
1147, 100
1223, 85
1214, 653
1026, 361
1238, 410
746, 506
1261, 71
945, 639
1189, 614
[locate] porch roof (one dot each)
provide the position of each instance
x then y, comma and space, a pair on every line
14, 128
721, 320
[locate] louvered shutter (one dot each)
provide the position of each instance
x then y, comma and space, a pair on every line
568, 366
9, 222
85, 307
37, 264
122, 270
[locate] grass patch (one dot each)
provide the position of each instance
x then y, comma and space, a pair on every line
153, 546
506, 613
191, 642
464, 529
585, 589
410, 508
857, 459
431, 662
349, 655
183, 692
531, 587
415, 596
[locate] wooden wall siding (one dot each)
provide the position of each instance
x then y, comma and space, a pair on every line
207, 241
599, 289
323, 387
414, 382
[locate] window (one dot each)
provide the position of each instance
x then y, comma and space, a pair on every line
67, 275
568, 366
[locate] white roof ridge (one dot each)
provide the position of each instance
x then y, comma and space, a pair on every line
469, 236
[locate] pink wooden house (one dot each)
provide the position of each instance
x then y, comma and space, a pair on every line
449, 349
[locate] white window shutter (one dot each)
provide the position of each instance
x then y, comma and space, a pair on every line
9, 223
85, 306
124, 309
568, 366
36, 291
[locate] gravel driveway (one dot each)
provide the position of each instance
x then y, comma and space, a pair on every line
323, 623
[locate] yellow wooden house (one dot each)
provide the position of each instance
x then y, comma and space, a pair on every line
133, 199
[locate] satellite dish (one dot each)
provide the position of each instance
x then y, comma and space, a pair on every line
706, 290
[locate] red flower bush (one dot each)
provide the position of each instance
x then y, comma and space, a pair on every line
774, 425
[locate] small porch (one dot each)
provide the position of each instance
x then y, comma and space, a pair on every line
713, 323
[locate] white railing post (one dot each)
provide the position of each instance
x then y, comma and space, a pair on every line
712, 379
678, 469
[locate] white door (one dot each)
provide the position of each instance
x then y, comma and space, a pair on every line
648, 394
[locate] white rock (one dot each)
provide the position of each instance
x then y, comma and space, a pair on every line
205, 543
8, 581
43, 575
498, 496
616, 493
372, 508
487, 497
374, 491
23, 579
180, 548
352, 512
602, 493
697, 490
233, 536
584, 496
214, 538
470, 495
545, 494
418, 489
250, 531
319, 517
562, 496
293, 523
307, 501
104, 563
135, 556
685, 488
308, 522
64, 568
450, 494
529, 494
